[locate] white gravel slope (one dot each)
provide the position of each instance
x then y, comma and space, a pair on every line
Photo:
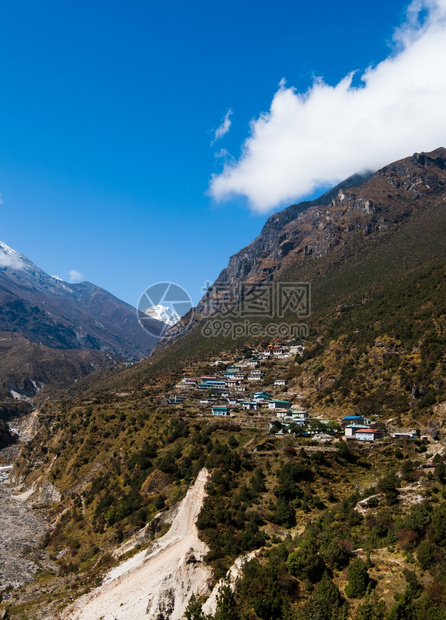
158, 582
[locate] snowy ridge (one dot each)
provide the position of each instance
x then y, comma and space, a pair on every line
22, 267
18, 262
166, 315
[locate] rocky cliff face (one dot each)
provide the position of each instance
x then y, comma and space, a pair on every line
242, 264
374, 205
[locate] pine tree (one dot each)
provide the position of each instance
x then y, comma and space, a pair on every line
194, 610
440, 471
358, 579
327, 594
305, 561
371, 609
226, 604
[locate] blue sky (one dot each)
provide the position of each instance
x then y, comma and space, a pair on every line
108, 112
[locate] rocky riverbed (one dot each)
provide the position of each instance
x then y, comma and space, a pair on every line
21, 532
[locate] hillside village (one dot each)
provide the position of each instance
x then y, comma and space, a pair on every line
254, 390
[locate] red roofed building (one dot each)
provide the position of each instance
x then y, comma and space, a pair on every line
368, 434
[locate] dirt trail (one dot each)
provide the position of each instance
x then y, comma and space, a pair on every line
158, 582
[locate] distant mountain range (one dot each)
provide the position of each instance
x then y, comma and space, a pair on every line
55, 332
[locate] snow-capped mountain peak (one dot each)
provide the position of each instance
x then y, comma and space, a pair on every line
166, 315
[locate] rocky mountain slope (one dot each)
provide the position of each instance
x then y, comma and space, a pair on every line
26, 367
311, 240
360, 210
53, 333
59, 315
243, 265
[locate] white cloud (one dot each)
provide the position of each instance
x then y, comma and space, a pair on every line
324, 135
75, 276
223, 153
12, 262
223, 128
